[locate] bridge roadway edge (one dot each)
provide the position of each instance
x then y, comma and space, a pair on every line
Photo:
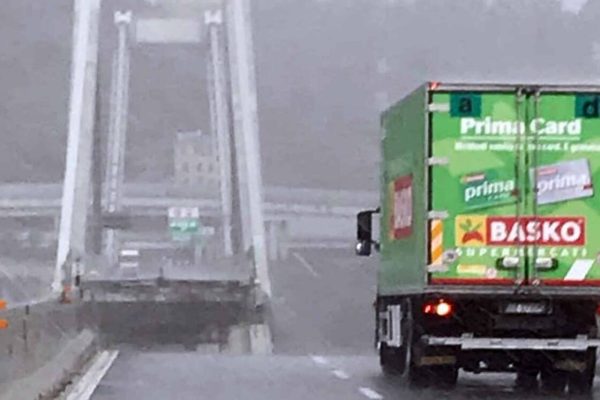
44, 347
47, 344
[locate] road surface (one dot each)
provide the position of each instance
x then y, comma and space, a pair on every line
322, 333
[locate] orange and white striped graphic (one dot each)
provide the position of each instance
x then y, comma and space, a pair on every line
436, 241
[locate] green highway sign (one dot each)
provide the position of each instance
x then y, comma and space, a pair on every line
183, 222
184, 225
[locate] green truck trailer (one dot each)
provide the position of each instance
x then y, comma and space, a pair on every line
489, 239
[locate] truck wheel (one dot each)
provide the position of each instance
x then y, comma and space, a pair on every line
444, 376
581, 382
526, 379
553, 380
392, 359
418, 377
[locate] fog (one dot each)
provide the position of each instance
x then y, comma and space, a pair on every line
325, 71
198, 264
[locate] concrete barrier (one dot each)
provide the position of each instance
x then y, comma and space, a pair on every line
43, 345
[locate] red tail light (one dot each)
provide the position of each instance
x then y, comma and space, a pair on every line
441, 308
598, 309
444, 309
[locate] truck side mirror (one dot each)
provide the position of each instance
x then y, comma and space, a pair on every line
364, 232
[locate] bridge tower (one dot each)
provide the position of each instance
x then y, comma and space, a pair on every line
220, 112
77, 178
234, 109
117, 134
246, 128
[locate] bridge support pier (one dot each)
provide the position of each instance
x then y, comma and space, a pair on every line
272, 242
246, 136
277, 236
56, 224
284, 238
82, 107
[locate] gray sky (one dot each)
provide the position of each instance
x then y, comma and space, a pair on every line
573, 5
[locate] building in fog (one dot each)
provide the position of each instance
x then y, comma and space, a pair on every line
195, 161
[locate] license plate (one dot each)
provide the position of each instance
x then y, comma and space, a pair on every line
527, 308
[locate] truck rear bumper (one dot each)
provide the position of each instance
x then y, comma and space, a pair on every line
575, 291
468, 342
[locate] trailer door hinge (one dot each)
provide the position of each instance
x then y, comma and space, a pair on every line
434, 214
437, 161
438, 107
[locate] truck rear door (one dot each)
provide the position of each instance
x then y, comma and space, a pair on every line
512, 173
477, 182
564, 163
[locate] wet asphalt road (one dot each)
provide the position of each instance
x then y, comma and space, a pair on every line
322, 333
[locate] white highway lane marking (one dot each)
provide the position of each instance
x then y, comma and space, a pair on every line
370, 393
86, 386
306, 264
340, 374
320, 360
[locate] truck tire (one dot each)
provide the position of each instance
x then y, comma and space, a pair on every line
553, 380
526, 379
582, 382
444, 376
418, 377
392, 359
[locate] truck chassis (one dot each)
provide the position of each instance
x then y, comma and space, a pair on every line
556, 342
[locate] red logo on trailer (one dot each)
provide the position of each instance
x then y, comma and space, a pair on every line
541, 231
401, 218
